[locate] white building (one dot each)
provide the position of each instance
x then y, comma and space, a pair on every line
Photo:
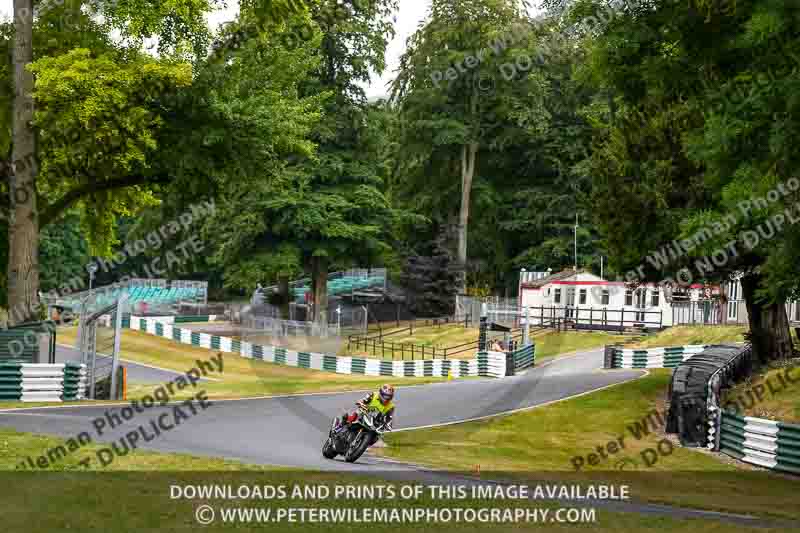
590, 302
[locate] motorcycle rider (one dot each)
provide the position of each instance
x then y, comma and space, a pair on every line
381, 401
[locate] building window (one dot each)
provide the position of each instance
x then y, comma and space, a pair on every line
628, 297
654, 298
604, 297
582, 297
557, 296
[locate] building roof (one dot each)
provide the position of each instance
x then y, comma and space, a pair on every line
558, 276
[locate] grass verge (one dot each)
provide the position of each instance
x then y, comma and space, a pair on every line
241, 377
683, 335
143, 491
544, 443
773, 394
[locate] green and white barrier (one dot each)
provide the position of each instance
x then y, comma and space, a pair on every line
186, 319
666, 357
28, 382
761, 442
524, 357
492, 364
486, 364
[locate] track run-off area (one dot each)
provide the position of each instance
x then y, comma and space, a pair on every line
288, 431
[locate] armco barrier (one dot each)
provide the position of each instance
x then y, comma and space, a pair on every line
486, 364
666, 357
28, 382
766, 443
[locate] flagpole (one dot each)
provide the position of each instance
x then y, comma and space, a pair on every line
576, 242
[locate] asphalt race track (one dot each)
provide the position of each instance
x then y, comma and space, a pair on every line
290, 430
137, 372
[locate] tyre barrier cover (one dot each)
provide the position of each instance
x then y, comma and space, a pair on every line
696, 384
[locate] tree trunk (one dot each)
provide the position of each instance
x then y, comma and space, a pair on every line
769, 325
23, 228
469, 154
319, 272
283, 295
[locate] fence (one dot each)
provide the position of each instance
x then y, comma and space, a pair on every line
378, 346
340, 320
591, 318
317, 361
666, 357
709, 312
500, 310
42, 382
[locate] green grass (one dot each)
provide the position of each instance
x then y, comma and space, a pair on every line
683, 335
134, 493
548, 343
541, 444
241, 377
551, 343
773, 394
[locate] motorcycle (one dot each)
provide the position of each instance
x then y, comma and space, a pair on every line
353, 439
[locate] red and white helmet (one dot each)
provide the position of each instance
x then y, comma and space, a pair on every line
386, 393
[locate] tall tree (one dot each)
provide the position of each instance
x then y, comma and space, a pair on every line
705, 126
23, 228
452, 91
105, 111
327, 207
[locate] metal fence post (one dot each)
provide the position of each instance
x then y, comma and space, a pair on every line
484, 327
526, 333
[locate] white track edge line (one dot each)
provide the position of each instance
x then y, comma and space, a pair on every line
521, 409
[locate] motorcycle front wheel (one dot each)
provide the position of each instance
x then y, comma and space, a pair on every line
357, 447
327, 450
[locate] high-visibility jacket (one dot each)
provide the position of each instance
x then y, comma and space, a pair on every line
375, 403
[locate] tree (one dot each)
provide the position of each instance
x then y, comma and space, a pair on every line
34, 203
705, 122
23, 228
431, 279
101, 114
327, 207
452, 95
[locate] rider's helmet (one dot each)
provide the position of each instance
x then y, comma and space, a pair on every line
386, 394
